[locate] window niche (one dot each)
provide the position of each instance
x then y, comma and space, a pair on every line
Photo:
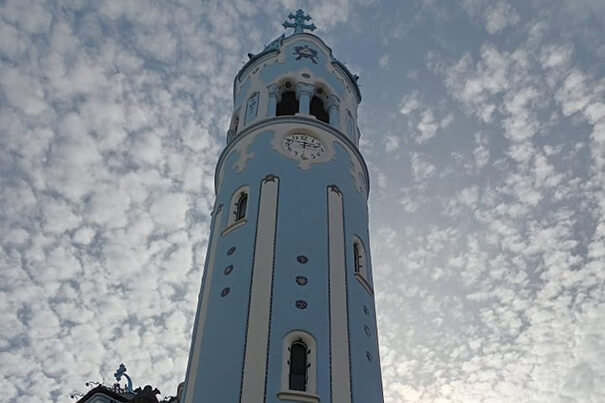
360, 264
238, 209
252, 108
297, 379
299, 368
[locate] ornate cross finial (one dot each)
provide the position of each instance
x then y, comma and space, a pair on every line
122, 371
299, 22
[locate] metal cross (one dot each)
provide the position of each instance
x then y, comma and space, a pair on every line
118, 375
299, 22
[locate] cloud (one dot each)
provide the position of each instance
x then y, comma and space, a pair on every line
499, 17
421, 118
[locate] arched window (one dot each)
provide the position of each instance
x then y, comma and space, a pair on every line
288, 105
357, 257
298, 366
360, 264
317, 109
240, 207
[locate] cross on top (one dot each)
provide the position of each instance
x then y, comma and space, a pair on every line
299, 22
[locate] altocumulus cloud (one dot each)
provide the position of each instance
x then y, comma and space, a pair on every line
483, 124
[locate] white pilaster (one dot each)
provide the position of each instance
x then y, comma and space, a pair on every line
257, 336
339, 323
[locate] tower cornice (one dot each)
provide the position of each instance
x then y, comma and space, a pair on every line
304, 121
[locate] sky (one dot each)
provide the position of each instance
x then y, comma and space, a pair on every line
483, 126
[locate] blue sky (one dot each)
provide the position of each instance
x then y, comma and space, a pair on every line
483, 124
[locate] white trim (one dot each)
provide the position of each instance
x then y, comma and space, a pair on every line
201, 320
234, 225
364, 283
339, 335
255, 360
297, 396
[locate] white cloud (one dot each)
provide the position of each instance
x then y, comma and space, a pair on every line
384, 61
499, 17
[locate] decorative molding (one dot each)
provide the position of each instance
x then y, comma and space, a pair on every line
335, 189
332, 102
301, 304
273, 90
297, 396
270, 178
303, 88
234, 225
359, 169
362, 280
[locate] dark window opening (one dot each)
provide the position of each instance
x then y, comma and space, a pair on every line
357, 257
317, 110
288, 104
240, 207
298, 366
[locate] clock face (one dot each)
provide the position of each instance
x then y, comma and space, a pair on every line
303, 146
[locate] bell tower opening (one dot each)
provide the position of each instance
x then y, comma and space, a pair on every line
317, 109
288, 105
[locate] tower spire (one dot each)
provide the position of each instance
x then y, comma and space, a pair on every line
299, 22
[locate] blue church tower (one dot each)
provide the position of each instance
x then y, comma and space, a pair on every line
286, 308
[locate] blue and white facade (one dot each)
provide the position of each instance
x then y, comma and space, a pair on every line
286, 308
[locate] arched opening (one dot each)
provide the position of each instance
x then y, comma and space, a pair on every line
241, 205
317, 109
298, 366
288, 105
357, 257
238, 209
360, 264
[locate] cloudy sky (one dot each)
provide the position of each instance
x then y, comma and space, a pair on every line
483, 124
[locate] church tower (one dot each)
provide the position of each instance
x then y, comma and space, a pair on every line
286, 308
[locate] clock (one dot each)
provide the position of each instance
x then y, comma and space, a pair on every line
303, 146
